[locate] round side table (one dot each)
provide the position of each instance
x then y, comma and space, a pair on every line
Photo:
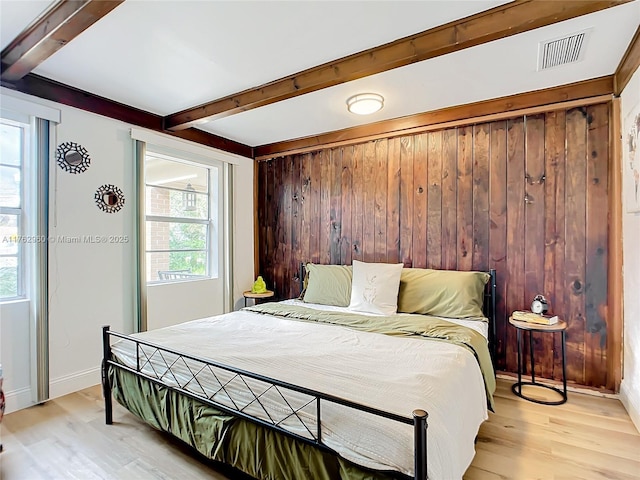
256, 296
516, 388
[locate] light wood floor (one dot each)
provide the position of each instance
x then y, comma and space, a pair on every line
586, 438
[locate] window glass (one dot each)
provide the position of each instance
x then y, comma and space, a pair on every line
9, 277
163, 266
166, 202
175, 174
10, 186
10, 144
8, 234
176, 236
12, 152
177, 202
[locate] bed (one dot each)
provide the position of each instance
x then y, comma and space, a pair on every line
321, 387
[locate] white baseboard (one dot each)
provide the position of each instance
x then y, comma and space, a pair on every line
631, 402
74, 382
17, 400
22, 398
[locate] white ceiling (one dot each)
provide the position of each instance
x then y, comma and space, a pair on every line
166, 56
16, 15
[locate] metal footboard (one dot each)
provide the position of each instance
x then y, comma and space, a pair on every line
154, 363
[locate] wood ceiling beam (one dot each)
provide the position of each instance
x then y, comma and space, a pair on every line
57, 92
500, 22
447, 116
628, 65
49, 33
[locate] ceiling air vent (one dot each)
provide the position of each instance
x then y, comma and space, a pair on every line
561, 51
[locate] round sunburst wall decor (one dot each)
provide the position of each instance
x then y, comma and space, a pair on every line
72, 157
109, 198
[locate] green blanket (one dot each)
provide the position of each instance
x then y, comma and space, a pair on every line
432, 328
258, 451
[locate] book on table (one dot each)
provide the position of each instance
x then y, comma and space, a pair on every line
530, 317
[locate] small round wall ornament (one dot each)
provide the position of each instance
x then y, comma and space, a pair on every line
109, 198
72, 157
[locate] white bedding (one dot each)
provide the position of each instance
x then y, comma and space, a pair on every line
394, 374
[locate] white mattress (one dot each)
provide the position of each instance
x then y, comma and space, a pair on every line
394, 374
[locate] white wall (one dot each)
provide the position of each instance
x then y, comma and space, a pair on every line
90, 284
14, 335
243, 236
630, 387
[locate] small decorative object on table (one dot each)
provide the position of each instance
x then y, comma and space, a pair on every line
258, 291
259, 286
540, 305
524, 316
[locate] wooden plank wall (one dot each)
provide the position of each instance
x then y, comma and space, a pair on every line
527, 196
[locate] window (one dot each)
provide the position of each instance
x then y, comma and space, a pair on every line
180, 219
13, 156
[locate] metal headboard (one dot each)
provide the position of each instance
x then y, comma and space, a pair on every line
303, 272
489, 309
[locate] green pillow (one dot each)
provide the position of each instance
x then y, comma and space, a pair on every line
442, 293
328, 284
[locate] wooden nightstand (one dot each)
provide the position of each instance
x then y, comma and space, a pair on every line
256, 296
516, 388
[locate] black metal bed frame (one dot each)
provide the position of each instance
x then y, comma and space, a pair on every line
146, 351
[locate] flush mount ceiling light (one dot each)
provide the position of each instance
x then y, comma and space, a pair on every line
365, 103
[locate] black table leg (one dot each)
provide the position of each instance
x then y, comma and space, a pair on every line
533, 370
519, 335
564, 366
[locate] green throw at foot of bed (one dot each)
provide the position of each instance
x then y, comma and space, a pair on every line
261, 453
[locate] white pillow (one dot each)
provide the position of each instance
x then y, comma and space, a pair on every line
374, 287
